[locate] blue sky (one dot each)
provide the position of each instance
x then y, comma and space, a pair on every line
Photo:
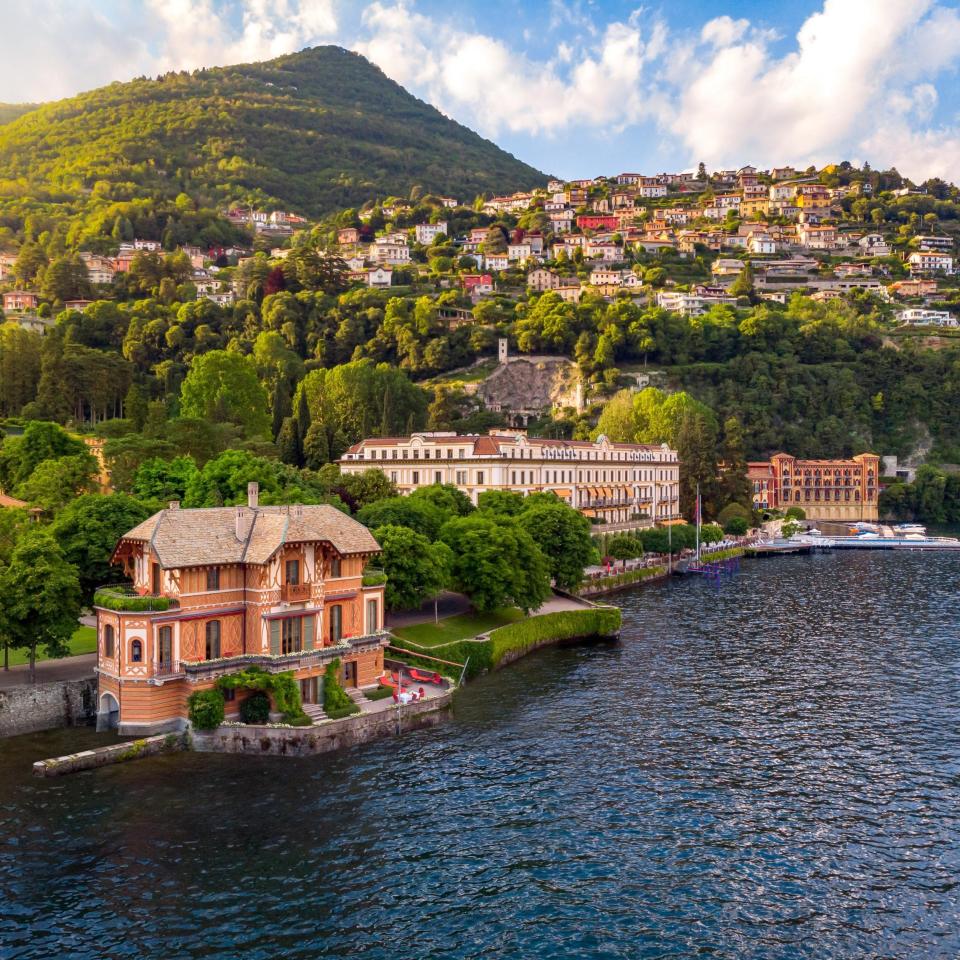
574, 87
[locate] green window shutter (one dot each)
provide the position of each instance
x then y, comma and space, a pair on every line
275, 637
308, 632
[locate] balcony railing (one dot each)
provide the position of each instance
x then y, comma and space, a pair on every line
278, 663
169, 668
295, 592
122, 597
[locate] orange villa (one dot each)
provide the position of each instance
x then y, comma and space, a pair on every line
221, 589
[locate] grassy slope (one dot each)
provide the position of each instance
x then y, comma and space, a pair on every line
84, 640
460, 627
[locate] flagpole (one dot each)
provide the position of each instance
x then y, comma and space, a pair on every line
698, 509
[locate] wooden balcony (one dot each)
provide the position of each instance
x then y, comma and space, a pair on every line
295, 592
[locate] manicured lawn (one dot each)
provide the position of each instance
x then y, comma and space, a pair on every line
460, 627
84, 640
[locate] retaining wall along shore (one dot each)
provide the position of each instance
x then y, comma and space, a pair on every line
32, 707
310, 741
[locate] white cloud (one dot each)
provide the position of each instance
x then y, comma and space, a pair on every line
51, 48
197, 33
722, 31
481, 80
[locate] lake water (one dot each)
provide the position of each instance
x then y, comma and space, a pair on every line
764, 768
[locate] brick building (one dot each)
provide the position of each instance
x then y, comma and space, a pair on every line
226, 588
823, 489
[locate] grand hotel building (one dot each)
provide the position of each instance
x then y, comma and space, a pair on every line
825, 489
613, 482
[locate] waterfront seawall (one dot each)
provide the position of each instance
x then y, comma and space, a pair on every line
33, 707
264, 741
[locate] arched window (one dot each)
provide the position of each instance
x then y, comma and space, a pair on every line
108, 639
136, 651
213, 639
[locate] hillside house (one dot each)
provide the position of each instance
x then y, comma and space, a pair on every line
916, 316
540, 280
477, 284
21, 300
379, 278
922, 262
595, 221
426, 233
389, 251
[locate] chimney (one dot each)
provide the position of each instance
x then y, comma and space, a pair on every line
253, 494
174, 505
244, 523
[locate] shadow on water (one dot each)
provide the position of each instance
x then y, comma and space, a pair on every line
767, 768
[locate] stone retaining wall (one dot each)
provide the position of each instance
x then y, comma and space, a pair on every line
30, 708
311, 741
115, 753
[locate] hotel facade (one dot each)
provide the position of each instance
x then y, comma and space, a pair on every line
824, 489
613, 482
218, 590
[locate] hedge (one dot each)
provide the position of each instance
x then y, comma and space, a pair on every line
713, 556
487, 654
565, 625
620, 579
114, 599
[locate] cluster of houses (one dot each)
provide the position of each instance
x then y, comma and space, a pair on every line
102, 270
633, 213
588, 233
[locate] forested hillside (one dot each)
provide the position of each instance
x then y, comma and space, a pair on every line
310, 132
10, 111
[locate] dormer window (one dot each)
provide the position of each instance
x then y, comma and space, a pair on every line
292, 573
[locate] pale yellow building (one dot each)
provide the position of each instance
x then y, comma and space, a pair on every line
614, 482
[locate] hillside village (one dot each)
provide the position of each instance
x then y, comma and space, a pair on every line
680, 241
531, 310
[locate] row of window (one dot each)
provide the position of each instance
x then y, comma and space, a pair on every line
547, 453
287, 635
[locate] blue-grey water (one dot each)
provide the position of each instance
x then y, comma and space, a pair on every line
764, 768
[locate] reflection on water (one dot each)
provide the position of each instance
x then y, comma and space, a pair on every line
764, 768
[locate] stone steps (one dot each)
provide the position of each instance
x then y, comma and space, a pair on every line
315, 712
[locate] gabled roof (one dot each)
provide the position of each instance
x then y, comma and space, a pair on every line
189, 538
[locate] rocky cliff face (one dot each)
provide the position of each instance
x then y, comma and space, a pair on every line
530, 385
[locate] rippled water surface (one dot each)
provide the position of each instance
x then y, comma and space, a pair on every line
767, 768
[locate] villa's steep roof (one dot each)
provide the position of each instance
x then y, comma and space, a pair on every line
189, 538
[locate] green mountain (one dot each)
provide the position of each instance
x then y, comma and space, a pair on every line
312, 132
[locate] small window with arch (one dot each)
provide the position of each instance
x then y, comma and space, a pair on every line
136, 652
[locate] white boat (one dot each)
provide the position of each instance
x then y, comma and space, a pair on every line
910, 528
